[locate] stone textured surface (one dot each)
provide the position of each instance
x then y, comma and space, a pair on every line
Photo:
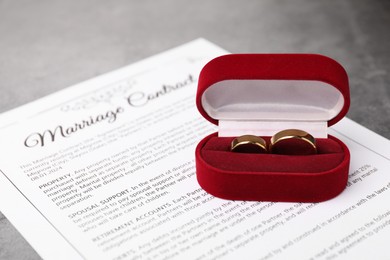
48, 45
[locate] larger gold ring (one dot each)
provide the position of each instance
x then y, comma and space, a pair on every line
293, 142
249, 144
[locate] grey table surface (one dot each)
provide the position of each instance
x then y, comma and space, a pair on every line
47, 45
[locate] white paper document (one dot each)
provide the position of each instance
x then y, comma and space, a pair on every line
105, 170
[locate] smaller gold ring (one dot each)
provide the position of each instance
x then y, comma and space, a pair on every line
248, 144
293, 142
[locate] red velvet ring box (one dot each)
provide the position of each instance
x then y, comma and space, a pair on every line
261, 94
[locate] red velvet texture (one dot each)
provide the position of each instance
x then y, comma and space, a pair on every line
274, 67
271, 177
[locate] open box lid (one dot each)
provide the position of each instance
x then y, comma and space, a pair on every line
265, 93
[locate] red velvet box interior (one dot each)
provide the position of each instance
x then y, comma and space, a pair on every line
271, 177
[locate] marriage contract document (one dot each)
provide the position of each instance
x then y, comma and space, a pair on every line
105, 170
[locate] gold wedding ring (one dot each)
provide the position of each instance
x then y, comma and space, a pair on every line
249, 144
293, 142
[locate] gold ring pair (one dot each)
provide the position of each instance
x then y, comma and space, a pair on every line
288, 142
